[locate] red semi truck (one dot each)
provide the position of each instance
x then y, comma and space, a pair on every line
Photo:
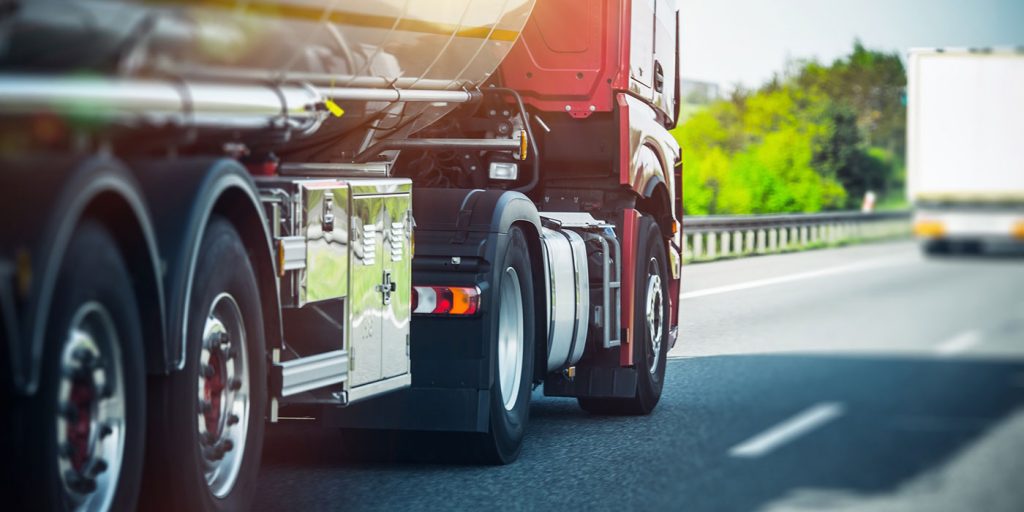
386, 215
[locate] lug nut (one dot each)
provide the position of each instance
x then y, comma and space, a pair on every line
67, 449
79, 483
226, 446
214, 453
84, 356
209, 438
232, 419
68, 411
235, 384
105, 430
96, 466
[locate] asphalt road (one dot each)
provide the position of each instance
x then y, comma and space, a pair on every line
863, 378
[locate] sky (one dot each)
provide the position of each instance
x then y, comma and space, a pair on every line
746, 41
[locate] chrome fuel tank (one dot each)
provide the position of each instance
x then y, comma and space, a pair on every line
325, 46
435, 44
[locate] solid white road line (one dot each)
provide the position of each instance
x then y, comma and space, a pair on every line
844, 269
788, 430
958, 343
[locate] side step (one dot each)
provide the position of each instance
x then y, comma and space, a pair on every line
308, 373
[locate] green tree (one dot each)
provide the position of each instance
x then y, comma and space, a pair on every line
817, 137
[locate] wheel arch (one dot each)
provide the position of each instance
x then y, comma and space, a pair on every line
184, 195
99, 188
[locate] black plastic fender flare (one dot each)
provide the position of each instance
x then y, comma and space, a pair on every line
472, 225
59, 190
183, 194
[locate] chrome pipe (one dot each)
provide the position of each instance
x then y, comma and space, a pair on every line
438, 145
248, 106
188, 103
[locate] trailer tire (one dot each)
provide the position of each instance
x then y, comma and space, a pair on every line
204, 454
512, 363
93, 325
650, 328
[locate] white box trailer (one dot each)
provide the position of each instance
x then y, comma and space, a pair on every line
965, 131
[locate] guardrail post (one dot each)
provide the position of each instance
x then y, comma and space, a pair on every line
712, 251
698, 246
725, 243
773, 240
761, 243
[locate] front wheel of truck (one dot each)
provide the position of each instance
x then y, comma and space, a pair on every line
650, 328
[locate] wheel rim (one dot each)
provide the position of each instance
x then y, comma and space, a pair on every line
654, 311
223, 388
91, 410
510, 338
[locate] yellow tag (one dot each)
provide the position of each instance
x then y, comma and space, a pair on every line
334, 108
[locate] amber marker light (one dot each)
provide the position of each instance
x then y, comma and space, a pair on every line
1017, 231
280, 258
929, 229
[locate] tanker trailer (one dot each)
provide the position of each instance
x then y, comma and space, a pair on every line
384, 215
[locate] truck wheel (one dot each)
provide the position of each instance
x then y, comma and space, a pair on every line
650, 327
206, 421
513, 362
86, 425
936, 247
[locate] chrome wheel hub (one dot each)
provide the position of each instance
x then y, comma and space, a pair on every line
510, 338
90, 410
654, 311
223, 388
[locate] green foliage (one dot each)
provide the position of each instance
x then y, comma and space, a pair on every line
818, 138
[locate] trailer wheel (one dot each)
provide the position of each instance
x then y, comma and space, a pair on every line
513, 361
650, 327
206, 421
88, 417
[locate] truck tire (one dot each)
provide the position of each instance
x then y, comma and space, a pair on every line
936, 247
512, 364
650, 327
85, 428
204, 453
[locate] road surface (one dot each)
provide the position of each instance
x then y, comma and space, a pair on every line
863, 378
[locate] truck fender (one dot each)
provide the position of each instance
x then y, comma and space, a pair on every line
183, 194
473, 225
65, 189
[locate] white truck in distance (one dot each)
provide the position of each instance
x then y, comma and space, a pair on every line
965, 176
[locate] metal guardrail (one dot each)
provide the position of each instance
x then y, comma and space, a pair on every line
715, 236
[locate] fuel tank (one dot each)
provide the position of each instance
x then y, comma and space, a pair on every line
435, 44
322, 44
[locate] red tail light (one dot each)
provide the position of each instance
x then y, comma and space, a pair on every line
445, 300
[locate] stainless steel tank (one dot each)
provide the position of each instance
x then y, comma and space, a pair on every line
326, 44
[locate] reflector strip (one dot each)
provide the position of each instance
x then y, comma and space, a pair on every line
445, 300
